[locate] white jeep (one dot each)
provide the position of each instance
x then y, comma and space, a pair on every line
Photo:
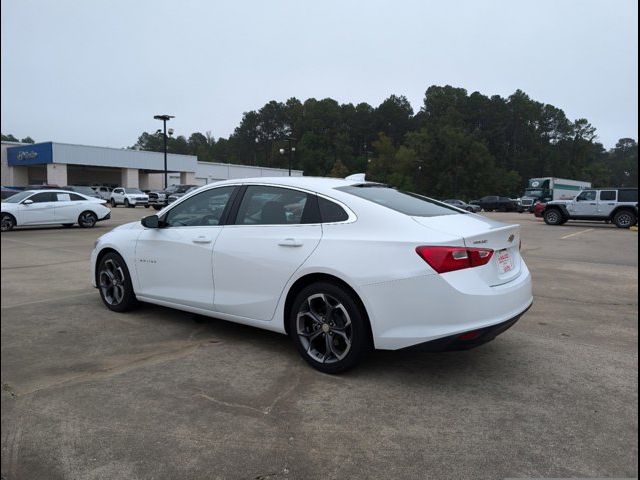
129, 197
616, 205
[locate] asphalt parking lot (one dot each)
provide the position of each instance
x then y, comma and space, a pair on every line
158, 393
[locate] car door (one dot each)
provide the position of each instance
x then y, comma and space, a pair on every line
118, 195
174, 263
38, 209
274, 231
584, 205
65, 208
607, 202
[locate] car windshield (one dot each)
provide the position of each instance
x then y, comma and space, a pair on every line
132, 190
18, 197
404, 202
533, 192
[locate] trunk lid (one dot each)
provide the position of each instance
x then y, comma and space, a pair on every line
480, 232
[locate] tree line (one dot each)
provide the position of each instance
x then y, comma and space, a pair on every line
456, 145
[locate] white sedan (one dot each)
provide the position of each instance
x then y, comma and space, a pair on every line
51, 207
341, 266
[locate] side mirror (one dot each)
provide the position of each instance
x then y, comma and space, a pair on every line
27, 202
152, 221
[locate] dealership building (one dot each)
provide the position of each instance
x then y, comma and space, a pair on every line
66, 164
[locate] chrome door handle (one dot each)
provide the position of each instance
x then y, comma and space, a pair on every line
289, 242
201, 239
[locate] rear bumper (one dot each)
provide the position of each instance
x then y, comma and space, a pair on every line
417, 310
466, 340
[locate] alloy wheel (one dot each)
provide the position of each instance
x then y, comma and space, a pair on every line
87, 219
324, 328
624, 220
112, 282
553, 217
7, 223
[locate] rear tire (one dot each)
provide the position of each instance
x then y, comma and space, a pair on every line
7, 222
114, 283
329, 328
553, 217
625, 219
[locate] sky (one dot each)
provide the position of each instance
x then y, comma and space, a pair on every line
95, 72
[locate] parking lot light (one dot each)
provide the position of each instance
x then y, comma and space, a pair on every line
165, 119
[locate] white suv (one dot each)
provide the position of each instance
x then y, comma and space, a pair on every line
617, 205
129, 197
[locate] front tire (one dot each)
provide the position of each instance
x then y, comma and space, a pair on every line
624, 219
8, 222
114, 283
87, 219
329, 328
553, 217
113, 203
126, 203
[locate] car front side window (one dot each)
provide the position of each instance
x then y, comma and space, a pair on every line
587, 196
204, 209
43, 197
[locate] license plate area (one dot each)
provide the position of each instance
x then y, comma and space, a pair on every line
505, 261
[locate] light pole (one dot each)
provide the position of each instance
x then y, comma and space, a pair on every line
291, 151
164, 119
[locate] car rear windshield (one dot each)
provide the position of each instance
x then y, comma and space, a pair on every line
403, 202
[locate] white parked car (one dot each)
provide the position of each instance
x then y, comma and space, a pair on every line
103, 192
129, 197
341, 266
50, 207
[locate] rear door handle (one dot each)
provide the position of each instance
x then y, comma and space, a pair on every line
289, 242
201, 239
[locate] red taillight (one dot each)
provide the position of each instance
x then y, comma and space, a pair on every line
449, 259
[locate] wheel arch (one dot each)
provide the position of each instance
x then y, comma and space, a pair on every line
623, 208
311, 278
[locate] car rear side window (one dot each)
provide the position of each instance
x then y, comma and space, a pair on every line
331, 212
408, 203
76, 198
628, 195
608, 195
266, 205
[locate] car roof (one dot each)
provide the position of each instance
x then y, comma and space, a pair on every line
317, 184
55, 190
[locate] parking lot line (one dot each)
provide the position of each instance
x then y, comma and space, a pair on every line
45, 300
576, 233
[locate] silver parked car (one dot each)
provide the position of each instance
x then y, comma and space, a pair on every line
463, 205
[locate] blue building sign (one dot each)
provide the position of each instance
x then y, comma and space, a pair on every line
34, 154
